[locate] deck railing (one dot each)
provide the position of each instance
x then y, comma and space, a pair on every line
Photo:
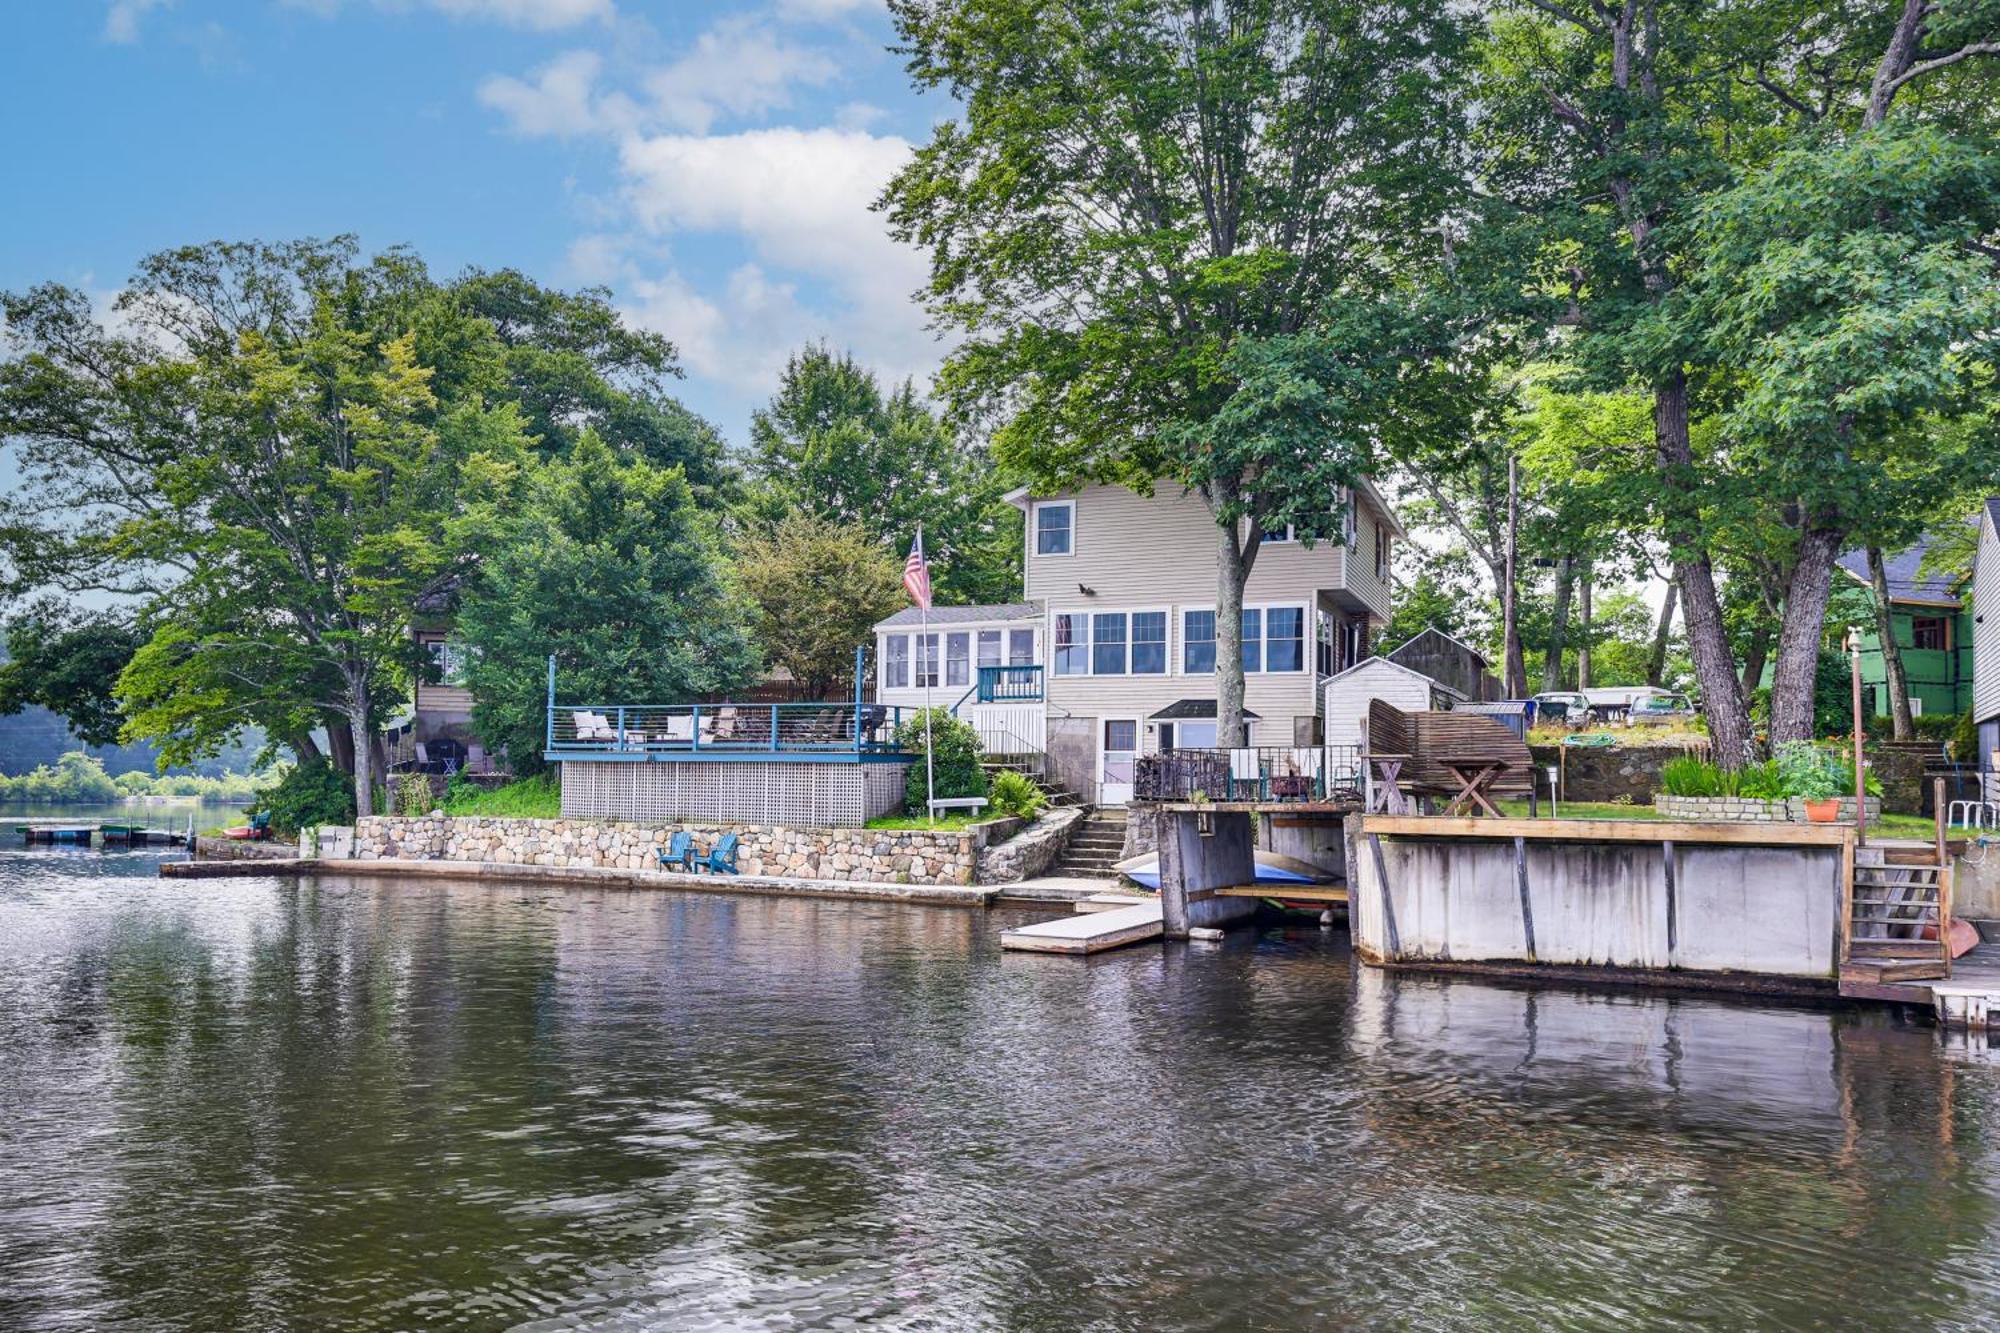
1252, 773
1009, 685
723, 728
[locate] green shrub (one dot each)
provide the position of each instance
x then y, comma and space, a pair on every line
1689, 776
1965, 739
1807, 772
1761, 782
413, 794
312, 794
955, 756
538, 797
1016, 794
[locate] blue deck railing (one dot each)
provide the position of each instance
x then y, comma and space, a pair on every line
719, 729
1009, 684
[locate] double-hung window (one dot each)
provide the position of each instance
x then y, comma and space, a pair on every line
1382, 550
927, 661
896, 662
1149, 643
1107, 643
1279, 533
1285, 638
1072, 632
989, 647
957, 649
1253, 638
1020, 647
1055, 524
451, 659
1197, 642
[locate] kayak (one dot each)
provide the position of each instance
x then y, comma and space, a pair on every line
1271, 869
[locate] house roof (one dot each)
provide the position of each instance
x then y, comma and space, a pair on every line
1381, 663
1191, 710
1433, 629
964, 615
1907, 580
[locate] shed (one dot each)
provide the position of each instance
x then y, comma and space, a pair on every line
1448, 661
1348, 695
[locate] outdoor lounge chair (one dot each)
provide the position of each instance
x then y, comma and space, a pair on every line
722, 860
678, 854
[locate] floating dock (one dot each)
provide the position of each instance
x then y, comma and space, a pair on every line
1088, 932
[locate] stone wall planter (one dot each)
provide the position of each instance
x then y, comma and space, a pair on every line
889, 856
1723, 809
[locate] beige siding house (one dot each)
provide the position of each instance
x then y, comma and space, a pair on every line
1112, 655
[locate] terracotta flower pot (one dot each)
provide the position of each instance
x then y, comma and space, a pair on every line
1823, 812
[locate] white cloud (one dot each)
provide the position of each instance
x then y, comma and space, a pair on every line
561, 101
819, 11
121, 20
541, 15
740, 67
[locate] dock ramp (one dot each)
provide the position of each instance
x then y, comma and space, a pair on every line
1088, 932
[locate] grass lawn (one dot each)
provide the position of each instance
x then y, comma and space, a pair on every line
1893, 826
529, 798
957, 823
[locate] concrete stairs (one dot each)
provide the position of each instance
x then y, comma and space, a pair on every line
1096, 846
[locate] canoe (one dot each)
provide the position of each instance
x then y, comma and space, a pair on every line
1271, 869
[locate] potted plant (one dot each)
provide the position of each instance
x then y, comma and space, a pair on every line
1807, 775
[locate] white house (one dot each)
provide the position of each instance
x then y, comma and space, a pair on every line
1347, 696
1112, 654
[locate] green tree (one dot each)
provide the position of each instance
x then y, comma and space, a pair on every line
1173, 238
257, 446
832, 444
610, 566
954, 753
818, 586
67, 660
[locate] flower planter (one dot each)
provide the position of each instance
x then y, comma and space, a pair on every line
1822, 812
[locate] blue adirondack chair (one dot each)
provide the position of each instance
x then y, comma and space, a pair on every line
678, 854
722, 861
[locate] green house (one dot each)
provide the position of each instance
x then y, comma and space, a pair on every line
1933, 627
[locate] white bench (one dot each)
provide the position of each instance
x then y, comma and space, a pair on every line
972, 803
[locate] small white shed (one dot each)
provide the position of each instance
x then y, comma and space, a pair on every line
1349, 693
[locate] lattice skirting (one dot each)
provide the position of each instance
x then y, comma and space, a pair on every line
777, 792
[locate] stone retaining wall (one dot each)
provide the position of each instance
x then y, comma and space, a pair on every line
1744, 809
890, 856
1031, 851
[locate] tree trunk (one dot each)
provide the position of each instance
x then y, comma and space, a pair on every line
1800, 634
303, 747
340, 742
1755, 657
1584, 637
1516, 666
361, 737
1232, 571
1903, 728
1701, 608
1552, 663
1656, 664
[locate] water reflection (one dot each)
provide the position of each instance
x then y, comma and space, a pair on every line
244, 1103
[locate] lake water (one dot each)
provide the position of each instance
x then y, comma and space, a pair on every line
255, 1104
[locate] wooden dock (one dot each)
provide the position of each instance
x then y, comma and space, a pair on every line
1088, 932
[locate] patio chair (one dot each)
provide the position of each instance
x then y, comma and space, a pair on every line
678, 854
722, 860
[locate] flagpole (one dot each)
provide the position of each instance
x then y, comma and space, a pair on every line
924, 637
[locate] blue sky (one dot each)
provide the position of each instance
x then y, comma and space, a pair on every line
710, 163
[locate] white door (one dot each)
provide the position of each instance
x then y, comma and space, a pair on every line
1117, 751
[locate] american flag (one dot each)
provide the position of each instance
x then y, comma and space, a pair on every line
917, 574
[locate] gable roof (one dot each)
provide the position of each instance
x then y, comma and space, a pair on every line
1448, 638
1367, 662
964, 615
1907, 580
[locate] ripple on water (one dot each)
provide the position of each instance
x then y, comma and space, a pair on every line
363, 1104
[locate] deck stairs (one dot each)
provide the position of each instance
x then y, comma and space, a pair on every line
1899, 909
1097, 845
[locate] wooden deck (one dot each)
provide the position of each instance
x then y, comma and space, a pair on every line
1980, 967
1088, 932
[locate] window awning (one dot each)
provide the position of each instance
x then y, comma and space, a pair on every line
1192, 710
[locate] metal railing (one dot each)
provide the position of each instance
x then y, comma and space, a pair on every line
1251, 773
1009, 685
724, 728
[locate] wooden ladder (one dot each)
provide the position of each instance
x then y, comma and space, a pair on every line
1899, 917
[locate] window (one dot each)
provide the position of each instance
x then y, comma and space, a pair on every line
1932, 633
1054, 522
1285, 638
1253, 639
451, 661
1349, 510
1020, 647
1324, 657
896, 662
1072, 646
1149, 643
927, 660
1187, 735
1916, 706
1382, 550
1355, 647
989, 647
1107, 643
1197, 642
1284, 532
1121, 735
957, 649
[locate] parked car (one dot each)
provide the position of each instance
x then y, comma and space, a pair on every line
1562, 706
1661, 708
